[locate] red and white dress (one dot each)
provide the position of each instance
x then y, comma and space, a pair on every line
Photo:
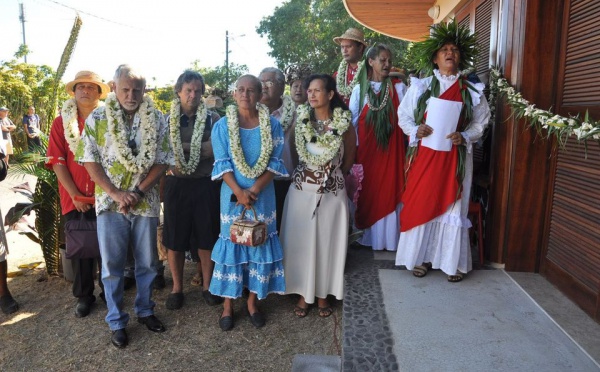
379, 200
434, 223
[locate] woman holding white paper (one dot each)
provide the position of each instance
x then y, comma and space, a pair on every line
434, 223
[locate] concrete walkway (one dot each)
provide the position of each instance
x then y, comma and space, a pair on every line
486, 323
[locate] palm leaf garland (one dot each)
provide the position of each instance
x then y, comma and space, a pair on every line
441, 34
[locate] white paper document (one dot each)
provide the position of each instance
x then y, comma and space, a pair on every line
442, 116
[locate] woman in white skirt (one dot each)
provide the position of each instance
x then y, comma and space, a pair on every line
314, 230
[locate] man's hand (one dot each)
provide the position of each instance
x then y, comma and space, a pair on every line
424, 130
456, 138
82, 207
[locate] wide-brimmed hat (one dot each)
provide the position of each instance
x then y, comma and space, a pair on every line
351, 34
3, 108
88, 77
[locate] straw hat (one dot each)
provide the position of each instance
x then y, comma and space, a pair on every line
87, 77
351, 34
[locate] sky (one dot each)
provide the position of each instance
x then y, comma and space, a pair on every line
158, 38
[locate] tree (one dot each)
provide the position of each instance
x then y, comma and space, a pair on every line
302, 31
214, 77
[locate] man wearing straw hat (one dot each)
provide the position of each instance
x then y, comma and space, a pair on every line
73, 180
352, 45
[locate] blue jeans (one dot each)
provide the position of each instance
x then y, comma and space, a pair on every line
116, 231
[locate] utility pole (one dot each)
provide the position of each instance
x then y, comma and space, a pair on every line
226, 61
22, 18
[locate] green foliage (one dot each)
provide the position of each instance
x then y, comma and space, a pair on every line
302, 31
23, 85
162, 98
214, 77
46, 202
23, 51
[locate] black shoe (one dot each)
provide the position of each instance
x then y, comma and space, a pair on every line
84, 305
8, 304
129, 283
226, 322
211, 299
257, 319
159, 282
119, 338
174, 301
152, 323
102, 297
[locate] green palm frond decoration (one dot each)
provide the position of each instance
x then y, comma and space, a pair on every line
441, 34
62, 67
46, 202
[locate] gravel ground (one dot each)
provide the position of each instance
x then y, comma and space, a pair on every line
45, 335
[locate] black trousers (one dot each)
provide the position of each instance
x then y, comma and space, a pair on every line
83, 269
281, 190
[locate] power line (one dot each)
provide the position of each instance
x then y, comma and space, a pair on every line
95, 16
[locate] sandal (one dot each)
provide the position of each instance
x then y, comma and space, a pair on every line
324, 312
421, 270
301, 312
456, 278
196, 280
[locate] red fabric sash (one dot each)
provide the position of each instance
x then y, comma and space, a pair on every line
383, 169
431, 185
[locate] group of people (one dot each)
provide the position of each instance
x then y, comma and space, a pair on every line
286, 161
31, 127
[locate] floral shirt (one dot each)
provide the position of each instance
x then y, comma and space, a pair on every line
97, 146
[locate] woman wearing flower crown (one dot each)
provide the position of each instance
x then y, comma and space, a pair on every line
314, 231
247, 145
434, 224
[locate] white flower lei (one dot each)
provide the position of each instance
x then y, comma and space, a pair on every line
331, 140
117, 129
343, 89
196, 142
71, 124
266, 141
287, 113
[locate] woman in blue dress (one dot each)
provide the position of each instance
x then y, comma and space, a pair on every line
247, 144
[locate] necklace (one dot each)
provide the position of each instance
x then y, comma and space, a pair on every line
330, 141
287, 112
141, 162
196, 142
343, 88
266, 141
385, 86
70, 123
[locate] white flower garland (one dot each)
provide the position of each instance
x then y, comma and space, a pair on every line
118, 133
343, 89
560, 126
331, 140
71, 124
266, 141
287, 113
196, 142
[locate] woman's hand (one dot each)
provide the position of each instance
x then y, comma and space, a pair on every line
424, 130
456, 138
246, 198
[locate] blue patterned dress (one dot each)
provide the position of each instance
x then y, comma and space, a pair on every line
238, 266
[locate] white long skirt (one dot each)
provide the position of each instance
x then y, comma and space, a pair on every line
384, 233
314, 248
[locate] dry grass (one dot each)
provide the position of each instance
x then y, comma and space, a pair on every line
46, 335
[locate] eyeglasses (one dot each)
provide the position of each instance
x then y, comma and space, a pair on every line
267, 84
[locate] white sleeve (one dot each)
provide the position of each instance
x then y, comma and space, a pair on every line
406, 111
481, 118
353, 105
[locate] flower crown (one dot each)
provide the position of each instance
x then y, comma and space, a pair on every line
440, 35
296, 72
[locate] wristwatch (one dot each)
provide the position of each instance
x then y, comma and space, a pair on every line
139, 192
